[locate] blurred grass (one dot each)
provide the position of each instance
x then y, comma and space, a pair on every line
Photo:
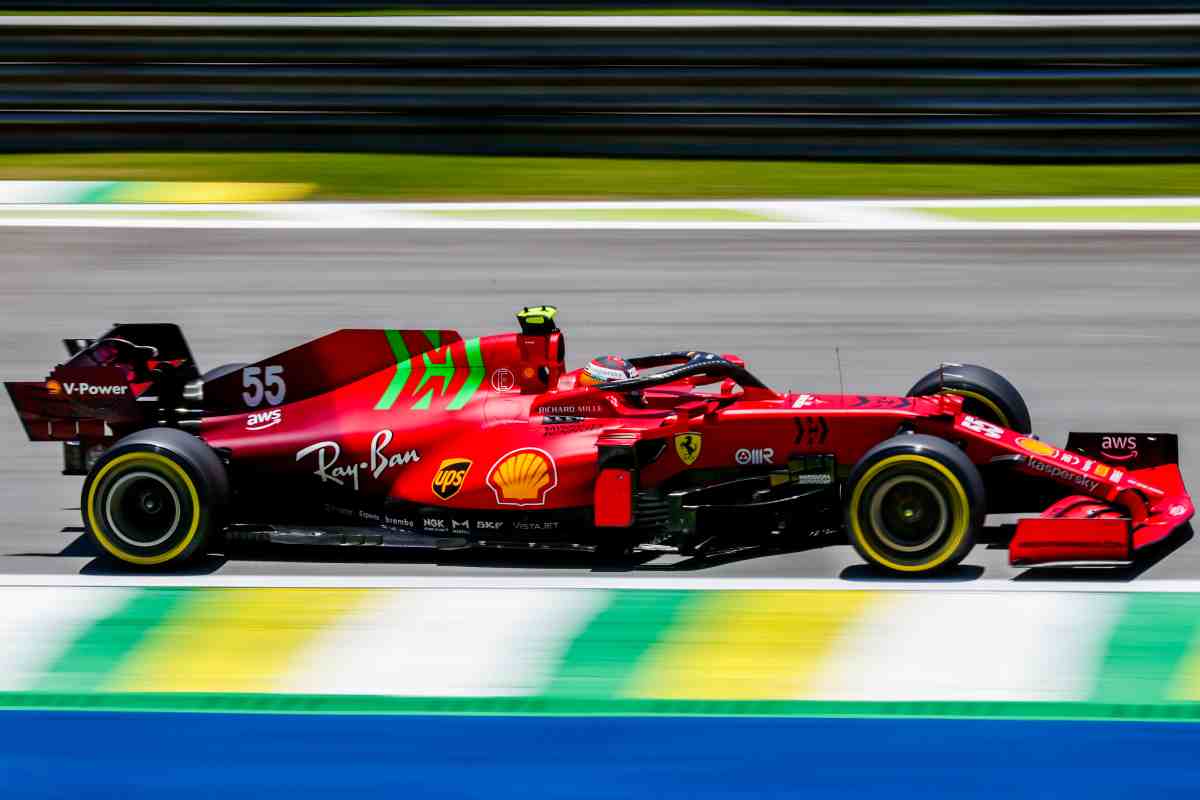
611, 214
348, 176
1072, 214
417, 11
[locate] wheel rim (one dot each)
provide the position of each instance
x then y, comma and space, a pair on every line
908, 513
142, 509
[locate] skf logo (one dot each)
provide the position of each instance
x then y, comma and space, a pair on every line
450, 476
754, 455
263, 420
523, 477
687, 447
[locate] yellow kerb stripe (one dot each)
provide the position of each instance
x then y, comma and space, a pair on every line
234, 640
208, 192
748, 645
1185, 685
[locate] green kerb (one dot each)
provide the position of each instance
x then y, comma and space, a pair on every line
104, 646
549, 706
603, 658
103, 193
1147, 648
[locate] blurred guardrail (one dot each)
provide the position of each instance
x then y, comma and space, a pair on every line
954, 88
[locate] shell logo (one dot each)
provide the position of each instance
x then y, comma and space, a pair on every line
1036, 447
523, 477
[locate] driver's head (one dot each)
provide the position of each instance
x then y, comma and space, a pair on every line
603, 369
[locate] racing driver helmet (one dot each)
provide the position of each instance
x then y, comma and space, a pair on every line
603, 369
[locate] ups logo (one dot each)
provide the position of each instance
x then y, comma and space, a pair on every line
450, 476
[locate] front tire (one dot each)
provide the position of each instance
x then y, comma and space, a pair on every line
986, 394
914, 504
155, 498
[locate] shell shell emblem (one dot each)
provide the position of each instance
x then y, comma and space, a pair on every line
523, 477
1036, 447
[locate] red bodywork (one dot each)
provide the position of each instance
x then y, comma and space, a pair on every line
406, 419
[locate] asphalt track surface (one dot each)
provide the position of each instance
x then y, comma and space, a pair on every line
1099, 330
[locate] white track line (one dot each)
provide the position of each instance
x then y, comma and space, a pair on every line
869, 22
594, 582
778, 215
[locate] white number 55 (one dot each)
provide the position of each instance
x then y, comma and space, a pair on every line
269, 387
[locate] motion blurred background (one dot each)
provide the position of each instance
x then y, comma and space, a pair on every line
1007, 182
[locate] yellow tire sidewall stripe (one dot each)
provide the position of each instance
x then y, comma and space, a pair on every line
158, 460
961, 519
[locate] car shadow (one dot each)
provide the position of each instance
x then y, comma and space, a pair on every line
512, 559
83, 547
995, 537
868, 573
478, 559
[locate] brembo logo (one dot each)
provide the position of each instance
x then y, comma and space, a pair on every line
91, 388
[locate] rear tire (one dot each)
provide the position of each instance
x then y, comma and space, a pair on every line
155, 498
221, 371
986, 394
914, 504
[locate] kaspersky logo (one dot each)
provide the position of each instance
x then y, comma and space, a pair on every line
83, 388
450, 476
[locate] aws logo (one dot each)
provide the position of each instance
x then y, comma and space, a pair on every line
450, 476
263, 420
1119, 448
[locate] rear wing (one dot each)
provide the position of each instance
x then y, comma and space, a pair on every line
108, 386
76, 403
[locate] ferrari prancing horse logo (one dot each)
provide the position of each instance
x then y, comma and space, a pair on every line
687, 445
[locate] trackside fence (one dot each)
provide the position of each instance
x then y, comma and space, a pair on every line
884, 88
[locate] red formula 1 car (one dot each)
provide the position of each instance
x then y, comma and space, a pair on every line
421, 438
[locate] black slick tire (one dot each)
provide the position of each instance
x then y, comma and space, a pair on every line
155, 498
914, 504
986, 394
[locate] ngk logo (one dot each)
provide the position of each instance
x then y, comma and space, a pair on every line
754, 455
93, 389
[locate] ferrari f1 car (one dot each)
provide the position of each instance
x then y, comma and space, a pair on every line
421, 438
